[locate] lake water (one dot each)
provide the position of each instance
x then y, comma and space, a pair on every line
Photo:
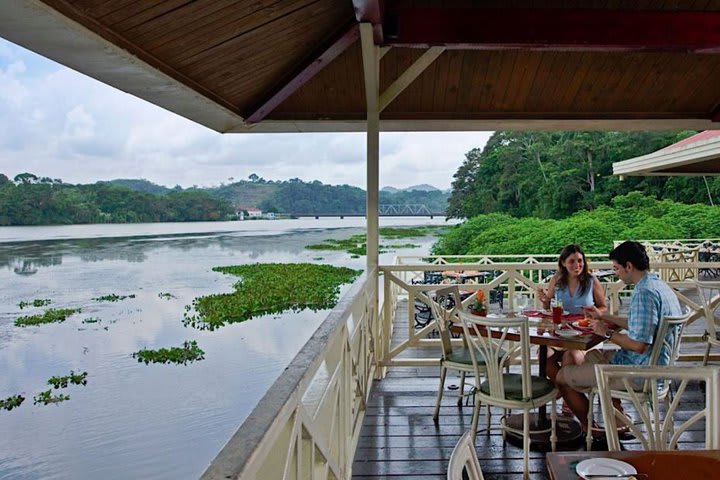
134, 420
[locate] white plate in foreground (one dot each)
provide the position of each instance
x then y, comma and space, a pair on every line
604, 466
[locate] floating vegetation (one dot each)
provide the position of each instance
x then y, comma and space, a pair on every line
113, 297
166, 296
317, 259
52, 315
38, 302
269, 288
354, 256
399, 232
403, 245
73, 378
92, 320
356, 244
11, 402
189, 352
47, 397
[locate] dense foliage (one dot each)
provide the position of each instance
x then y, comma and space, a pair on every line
632, 216
555, 174
270, 288
30, 200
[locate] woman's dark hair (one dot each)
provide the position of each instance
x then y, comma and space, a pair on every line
584, 277
633, 252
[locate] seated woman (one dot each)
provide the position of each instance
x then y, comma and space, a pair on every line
576, 287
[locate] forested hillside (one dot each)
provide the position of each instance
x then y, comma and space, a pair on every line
555, 174
30, 200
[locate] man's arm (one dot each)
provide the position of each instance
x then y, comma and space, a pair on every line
596, 314
624, 341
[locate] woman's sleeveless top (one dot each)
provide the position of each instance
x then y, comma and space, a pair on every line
574, 303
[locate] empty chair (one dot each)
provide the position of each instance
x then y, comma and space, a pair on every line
493, 343
445, 309
709, 293
464, 457
667, 339
656, 429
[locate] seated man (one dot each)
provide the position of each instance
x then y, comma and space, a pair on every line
651, 300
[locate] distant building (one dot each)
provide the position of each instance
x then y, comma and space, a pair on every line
254, 213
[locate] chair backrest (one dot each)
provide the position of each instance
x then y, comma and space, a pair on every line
464, 457
667, 338
445, 308
656, 429
709, 293
498, 350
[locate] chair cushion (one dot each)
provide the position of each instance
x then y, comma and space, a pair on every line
513, 387
462, 355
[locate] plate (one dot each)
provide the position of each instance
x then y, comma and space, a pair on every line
576, 324
567, 333
604, 466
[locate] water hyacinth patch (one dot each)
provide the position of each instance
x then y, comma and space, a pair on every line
73, 378
52, 315
267, 289
38, 302
166, 296
46, 398
113, 297
11, 402
189, 352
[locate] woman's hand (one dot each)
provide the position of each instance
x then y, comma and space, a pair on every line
592, 311
542, 296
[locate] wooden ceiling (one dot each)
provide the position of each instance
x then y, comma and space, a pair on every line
297, 64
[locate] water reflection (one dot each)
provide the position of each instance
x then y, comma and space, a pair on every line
131, 419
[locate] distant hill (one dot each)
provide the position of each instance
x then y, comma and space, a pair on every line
140, 185
423, 188
296, 196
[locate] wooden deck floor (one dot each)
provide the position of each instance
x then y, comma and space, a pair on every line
400, 440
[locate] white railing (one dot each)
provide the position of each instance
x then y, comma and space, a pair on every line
403, 281
308, 423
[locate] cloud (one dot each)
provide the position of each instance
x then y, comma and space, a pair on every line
59, 123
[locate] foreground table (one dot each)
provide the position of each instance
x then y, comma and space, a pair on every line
665, 465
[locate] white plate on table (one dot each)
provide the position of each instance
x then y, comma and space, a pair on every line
593, 467
567, 333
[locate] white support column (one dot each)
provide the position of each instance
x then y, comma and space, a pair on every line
372, 94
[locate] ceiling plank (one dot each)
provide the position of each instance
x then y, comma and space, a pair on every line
305, 73
554, 29
409, 76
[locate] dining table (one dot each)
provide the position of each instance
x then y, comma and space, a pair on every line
649, 464
463, 276
544, 333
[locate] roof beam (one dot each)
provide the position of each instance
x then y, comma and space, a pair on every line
301, 76
554, 29
370, 11
409, 76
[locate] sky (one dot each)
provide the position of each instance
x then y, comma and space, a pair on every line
55, 122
